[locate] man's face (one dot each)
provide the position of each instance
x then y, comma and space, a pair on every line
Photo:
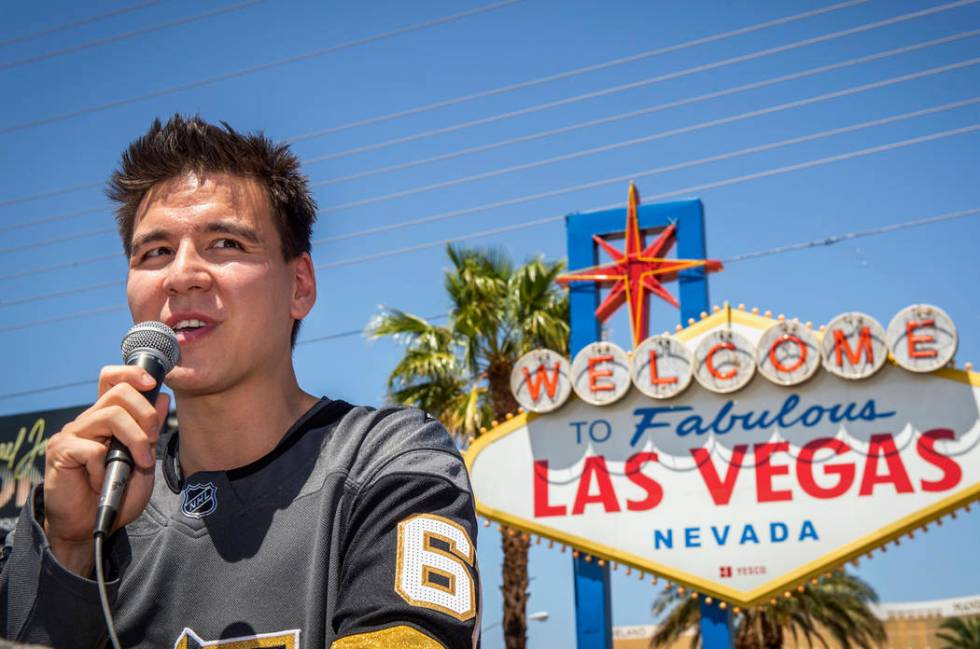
207, 260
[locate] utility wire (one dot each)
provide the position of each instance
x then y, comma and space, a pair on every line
507, 88
54, 240
78, 23
318, 339
525, 166
636, 84
455, 101
574, 188
680, 192
51, 193
582, 153
61, 318
52, 219
847, 236
553, 104
778, 250
647, 172
258, 68
31, 272
644, 111
127, 35
566, 129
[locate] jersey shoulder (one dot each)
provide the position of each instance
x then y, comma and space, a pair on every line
384, 441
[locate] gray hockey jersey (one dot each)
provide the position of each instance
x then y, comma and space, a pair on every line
357, 530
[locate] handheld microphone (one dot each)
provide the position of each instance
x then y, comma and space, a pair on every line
152, 346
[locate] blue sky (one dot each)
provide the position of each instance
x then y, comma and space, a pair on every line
67, 115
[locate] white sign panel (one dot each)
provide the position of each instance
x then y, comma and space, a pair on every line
739, 495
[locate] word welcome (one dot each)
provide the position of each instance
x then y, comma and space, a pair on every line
920, 338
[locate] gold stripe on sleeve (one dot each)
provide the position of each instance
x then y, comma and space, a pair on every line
396, 637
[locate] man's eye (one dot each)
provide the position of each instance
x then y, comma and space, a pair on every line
226, 243
156, 252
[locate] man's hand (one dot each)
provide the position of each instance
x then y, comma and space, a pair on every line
75, 464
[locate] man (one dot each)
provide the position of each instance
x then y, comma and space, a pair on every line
274, 518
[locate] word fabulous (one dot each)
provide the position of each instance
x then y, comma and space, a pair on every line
920, 338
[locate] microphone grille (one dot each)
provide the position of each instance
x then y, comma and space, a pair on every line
152, 336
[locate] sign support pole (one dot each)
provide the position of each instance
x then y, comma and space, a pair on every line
593, 619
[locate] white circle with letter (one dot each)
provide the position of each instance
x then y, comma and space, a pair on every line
853, 346
724, 361
541, 381
922, 338
788, 353
601, 373
662, 367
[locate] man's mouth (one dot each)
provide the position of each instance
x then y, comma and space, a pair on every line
189, 328
189, 325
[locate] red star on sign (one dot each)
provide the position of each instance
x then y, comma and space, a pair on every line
637, 272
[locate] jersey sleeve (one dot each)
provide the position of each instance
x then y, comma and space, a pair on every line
409, 573
41, 601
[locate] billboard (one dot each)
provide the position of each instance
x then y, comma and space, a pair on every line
23, 439
743, 455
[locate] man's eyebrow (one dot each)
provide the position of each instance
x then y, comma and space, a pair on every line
148, 237
242, 231
159, 234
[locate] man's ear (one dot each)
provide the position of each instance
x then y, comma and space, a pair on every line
304, 286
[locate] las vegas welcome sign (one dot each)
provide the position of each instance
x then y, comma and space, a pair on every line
742, 455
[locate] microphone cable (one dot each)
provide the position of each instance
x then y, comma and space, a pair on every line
103, 593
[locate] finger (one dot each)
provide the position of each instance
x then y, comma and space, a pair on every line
141, 410
112, 375
116, 421
79, 454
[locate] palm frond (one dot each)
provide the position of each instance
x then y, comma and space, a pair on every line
837, 605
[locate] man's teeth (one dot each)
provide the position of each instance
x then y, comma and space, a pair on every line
189, 324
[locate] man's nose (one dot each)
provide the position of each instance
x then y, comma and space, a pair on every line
188, 271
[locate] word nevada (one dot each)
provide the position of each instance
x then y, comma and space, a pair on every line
853, 346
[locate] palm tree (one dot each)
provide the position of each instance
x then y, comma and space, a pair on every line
460, 371
837, 605
964, 633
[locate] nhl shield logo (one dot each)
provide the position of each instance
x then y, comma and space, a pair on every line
199, 500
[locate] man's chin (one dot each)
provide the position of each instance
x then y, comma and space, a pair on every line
187, 381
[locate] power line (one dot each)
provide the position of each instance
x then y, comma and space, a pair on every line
78, 23
319, 339
680, 192
636, 84
777, 250
648, 172
508, 88
62, 266
260, 67
52, 219
566, 129
54, 240
50, 193
525, 166
574, 188
645, 111
127, 35
847, 236
61, 318
586, 152
455, 101
49, 388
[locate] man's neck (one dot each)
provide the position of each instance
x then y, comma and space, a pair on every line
224, 431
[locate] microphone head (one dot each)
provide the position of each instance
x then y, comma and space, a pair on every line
154, 338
